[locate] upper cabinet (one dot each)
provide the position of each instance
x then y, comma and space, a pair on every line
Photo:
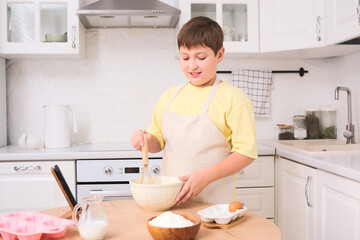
308, 28
238, 18
32, 28
290, 25
342, 21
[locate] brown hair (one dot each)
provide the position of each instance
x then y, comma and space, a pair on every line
201, 31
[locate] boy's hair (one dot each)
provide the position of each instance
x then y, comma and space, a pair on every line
201, 31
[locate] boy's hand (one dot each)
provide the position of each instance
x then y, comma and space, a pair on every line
195, 183
137, 138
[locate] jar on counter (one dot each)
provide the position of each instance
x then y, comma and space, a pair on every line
299, 127
312, 121
285, 132
328, 122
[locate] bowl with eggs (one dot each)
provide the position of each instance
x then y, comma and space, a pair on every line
158, 196
173, 226
222, 213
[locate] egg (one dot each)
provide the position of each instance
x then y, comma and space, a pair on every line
235, 205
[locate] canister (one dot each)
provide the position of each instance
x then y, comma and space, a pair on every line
285, 132
328, 122
299, 127
312, 121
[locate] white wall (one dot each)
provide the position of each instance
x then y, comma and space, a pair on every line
115, 88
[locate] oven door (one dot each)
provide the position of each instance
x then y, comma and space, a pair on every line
109, 191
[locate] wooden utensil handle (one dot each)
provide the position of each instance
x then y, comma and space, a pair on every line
145, 150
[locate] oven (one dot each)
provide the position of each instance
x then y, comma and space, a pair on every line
110, 177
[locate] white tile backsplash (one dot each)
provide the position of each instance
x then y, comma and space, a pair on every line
115, 88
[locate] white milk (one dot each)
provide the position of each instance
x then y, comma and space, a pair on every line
94, 230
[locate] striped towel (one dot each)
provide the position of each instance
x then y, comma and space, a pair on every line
256, 85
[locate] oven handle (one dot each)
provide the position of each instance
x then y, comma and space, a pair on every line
124, 193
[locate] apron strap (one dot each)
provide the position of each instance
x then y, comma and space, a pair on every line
211, 95
173, 96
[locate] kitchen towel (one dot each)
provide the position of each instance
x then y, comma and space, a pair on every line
256, 84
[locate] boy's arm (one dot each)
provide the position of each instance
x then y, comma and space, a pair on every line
197, 181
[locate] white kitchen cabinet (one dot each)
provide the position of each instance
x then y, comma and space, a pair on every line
24, 26
295, 196
342, 20
30, 186
238, 18
255, 186
291, 25
3, 121
338, 207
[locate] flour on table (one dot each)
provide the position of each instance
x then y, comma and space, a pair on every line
170, 220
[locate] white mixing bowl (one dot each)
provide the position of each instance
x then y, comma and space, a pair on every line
159, 196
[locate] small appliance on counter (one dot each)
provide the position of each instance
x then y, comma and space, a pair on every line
57, 126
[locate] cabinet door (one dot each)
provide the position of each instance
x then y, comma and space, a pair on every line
30, 186
295, 196
338, 207
3, 127
260, 173
257, 200
40, 28
342, 20
290, 25
239, 20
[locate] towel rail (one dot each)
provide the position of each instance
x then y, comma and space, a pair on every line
301, 71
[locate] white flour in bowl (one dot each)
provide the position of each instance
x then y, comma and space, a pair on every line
170, 220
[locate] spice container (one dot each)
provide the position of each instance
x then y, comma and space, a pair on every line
312, 121
328, 122
285, 132
299, 127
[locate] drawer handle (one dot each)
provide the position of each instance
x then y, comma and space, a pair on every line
242, 172
23, 168
306, 191
318, 28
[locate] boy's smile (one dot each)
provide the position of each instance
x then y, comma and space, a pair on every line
199, 64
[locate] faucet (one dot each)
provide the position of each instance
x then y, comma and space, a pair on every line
349, 134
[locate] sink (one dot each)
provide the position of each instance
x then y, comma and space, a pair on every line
321, 147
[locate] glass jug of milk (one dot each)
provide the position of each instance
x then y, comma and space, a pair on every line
93, 222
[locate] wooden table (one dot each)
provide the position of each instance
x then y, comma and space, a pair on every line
127, 220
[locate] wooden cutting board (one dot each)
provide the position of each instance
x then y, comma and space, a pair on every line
224, 226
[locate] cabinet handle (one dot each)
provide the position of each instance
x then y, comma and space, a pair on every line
242, 172
73, 36
23, 168
306, 191
358, 11
318, 28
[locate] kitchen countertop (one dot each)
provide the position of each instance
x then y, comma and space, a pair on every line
127, 220
347, 165
87, 151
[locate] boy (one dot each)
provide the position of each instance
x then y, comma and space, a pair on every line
205, 127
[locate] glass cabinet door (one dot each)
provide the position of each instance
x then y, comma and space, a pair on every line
235, 22
53, 22
203, 9
21, 22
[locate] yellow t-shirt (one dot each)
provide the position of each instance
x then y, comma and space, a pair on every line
230, 110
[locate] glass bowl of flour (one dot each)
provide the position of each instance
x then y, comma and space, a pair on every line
173, 226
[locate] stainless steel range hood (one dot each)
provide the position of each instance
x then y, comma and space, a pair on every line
128, 14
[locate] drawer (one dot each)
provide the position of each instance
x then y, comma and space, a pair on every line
257, 200
260, 173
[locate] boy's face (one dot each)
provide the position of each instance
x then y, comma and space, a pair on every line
199, 64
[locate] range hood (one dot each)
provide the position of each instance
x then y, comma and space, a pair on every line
128, 14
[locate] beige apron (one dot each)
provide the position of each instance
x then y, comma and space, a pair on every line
193, 143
